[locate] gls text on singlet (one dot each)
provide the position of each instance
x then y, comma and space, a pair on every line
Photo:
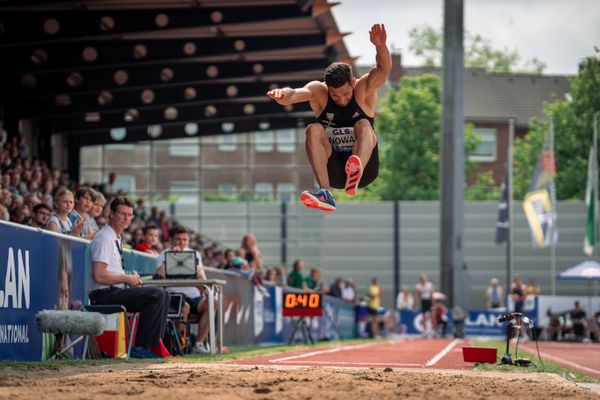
339, 123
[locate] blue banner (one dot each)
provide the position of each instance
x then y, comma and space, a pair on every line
337, 322
41, 271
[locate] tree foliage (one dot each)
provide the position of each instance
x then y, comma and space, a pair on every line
408, 126
427, 42
573, 119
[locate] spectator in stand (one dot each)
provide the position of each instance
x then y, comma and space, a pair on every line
4, 215
84, 201
494, 295
5, 197
241, 267
21, 215
295, 279
41, 213
196, 301
532, 288
518, 293
373, 305
313, 281
578, 319
23, 148
253, 256
96, 211
424, 295
140, 213
31, 200
229, 255
154, 218
349, 291
15, 183
164, 226
17, 202
109, 187
209, 254
281, 279
218, 260
59, 220
149, 241
271, 276
337, 288
405, 300
5, 181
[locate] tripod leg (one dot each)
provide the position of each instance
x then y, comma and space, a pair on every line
296, 325
304, 330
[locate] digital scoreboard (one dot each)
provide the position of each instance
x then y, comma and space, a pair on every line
297, 304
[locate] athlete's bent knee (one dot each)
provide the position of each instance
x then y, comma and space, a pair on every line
315, 131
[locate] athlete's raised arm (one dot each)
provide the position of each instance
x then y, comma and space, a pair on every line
379, 74
287, 95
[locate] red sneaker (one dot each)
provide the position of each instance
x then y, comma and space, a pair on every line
354, 172
160, 350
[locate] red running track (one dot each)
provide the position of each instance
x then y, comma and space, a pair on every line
405, 353
582, 357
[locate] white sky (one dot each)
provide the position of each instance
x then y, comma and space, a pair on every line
558, 32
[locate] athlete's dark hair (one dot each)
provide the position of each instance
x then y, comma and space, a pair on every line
338, 74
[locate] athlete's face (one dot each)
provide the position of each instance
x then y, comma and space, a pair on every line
342, 95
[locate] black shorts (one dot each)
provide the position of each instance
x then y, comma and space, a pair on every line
336, 168
194, 302
425, 305
373, 312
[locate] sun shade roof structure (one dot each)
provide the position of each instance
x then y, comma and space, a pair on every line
117, 71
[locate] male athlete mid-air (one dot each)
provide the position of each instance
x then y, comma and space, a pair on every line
341, 144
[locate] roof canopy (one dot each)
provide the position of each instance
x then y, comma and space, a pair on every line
107, 71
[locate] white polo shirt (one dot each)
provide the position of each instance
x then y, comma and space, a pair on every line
105, 249
191, 292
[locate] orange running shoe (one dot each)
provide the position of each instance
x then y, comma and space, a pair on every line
354, 172
321, 199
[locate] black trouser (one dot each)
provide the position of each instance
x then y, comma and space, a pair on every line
152, 303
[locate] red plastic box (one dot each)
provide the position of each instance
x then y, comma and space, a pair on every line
480, 354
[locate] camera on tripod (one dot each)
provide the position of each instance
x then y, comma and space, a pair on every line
509, 316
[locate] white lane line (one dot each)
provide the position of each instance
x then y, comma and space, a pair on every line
354, 363
566, 362
442, 353
314, 353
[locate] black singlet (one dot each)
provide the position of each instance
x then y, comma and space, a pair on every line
339, 123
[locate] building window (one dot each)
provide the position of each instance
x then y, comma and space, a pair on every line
227, 188
185, 191
227, 143
264, 190
263, 141
286, 142
486, 151
183, 148
285, 191
125, 183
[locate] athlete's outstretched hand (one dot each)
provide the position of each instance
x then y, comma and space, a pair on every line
378, 35
280, 95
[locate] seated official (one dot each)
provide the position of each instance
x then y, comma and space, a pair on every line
195, 300
110, 285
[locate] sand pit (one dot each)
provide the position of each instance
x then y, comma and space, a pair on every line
223, 381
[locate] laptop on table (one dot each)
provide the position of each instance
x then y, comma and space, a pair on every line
180, 264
